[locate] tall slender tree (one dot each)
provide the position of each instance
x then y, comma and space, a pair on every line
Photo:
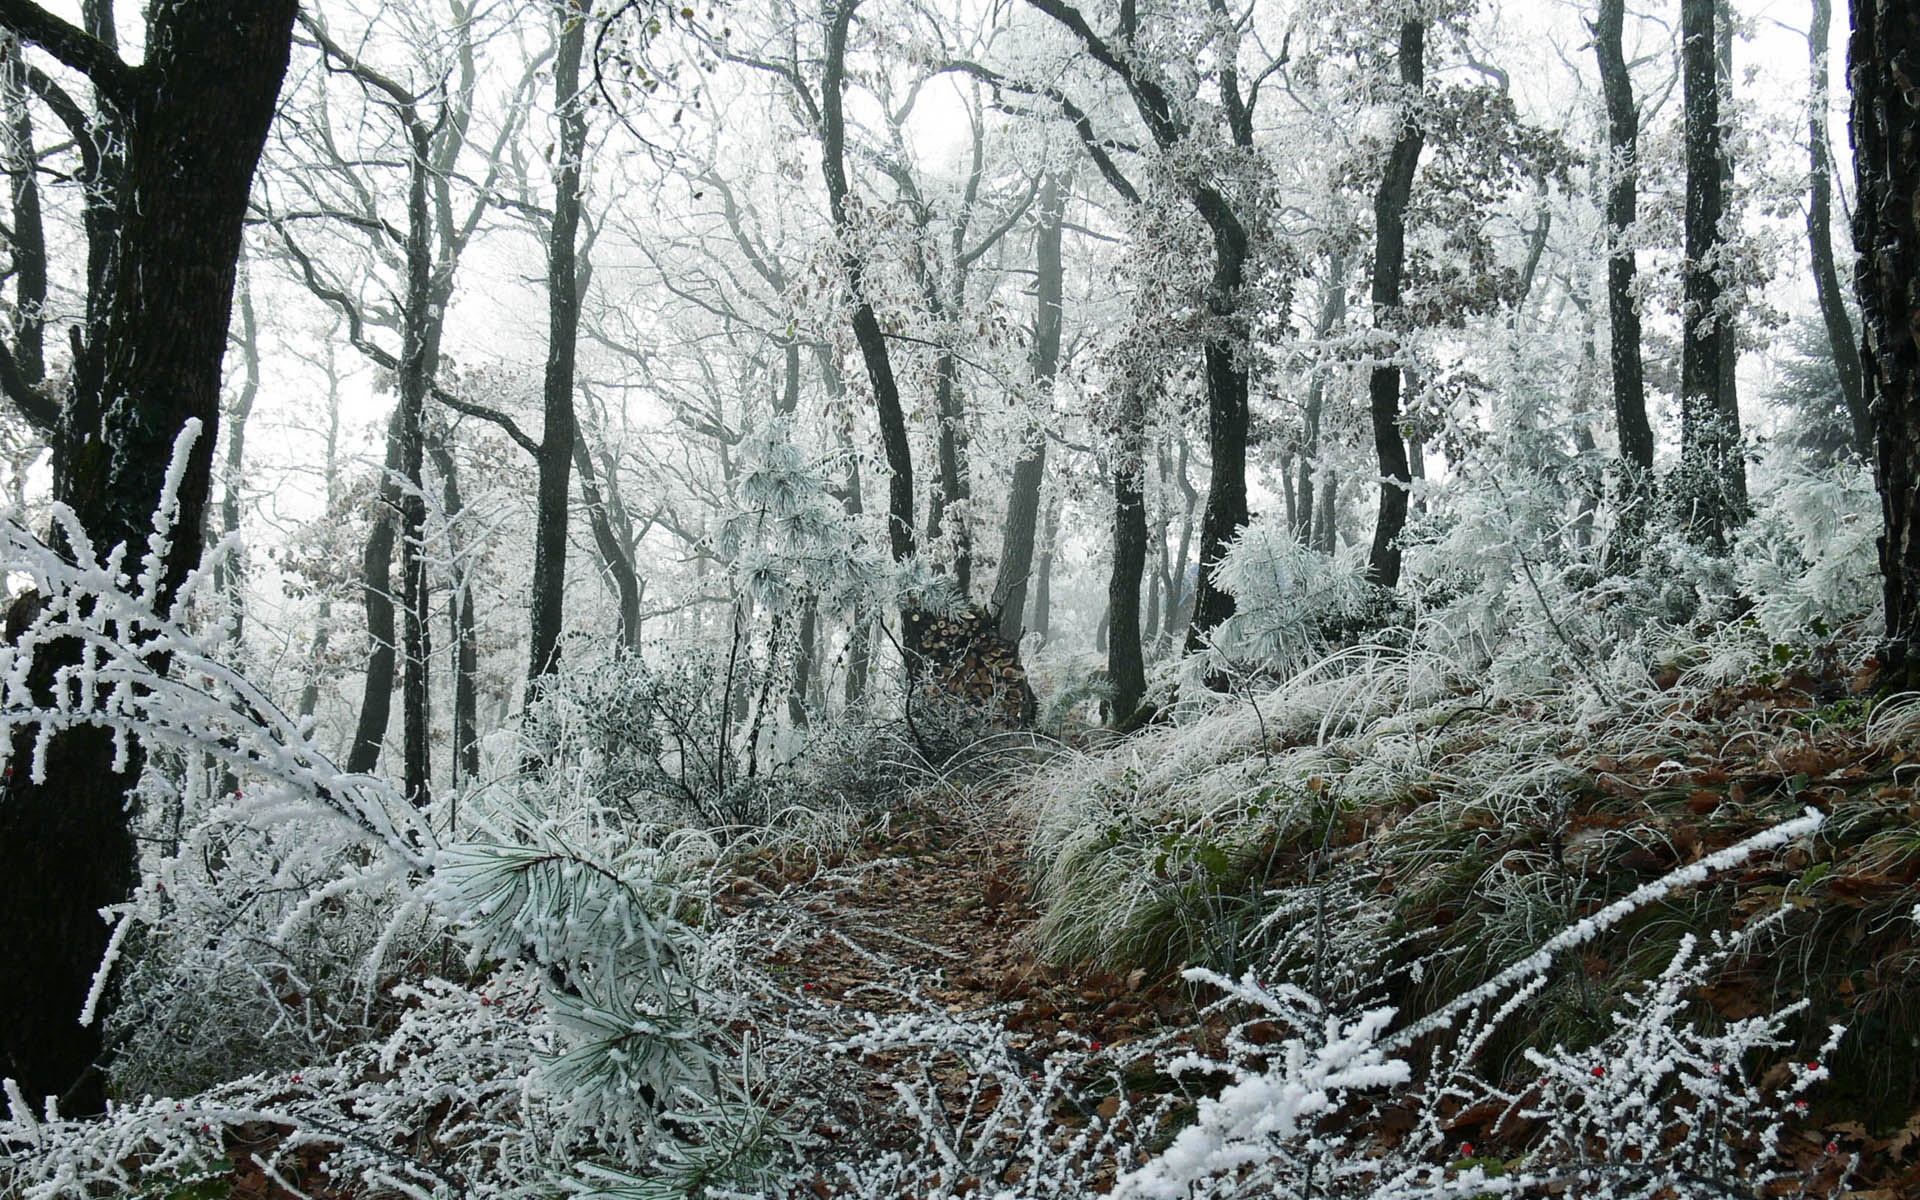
558, 435
1389, 268
1635, 433
1710, 488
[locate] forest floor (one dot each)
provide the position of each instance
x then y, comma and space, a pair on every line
927, 915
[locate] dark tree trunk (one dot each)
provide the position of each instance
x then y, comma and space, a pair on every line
1711, 487
1826, 275
1623, 312
420, 323
1126, 665
1227, 417
953, 490
1226, 340
558, 438
191, 122
376, 596
1326, 536
1389, 265
1886, 142
866, 325
28, 243
804, 650
1029, 470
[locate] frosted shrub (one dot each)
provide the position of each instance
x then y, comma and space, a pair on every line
1287, 597
659, 743
1808, 558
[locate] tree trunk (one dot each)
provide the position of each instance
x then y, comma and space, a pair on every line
1886, 141
1227, 416
1180, 596
1826, 275
1711, 487
1126, 665
1333, 310
376, 596
1325, 534
615, 558
228, 579
27, 240
192, 120
1623, 312
419, 323
1023, 498
1043, 586
460, 620
1389, 264
558, 437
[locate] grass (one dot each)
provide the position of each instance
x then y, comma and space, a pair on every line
1382, 828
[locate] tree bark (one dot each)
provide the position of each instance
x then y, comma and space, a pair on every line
1126, 665
1826, 275
1631, 427
558, 437
192, 120
1389, 265
1711, 487
1886, 141
419, 330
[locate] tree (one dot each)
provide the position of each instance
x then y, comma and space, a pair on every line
1711, 486
1226, 352
1886, 131
1623, 311
1389, 268
1826, 276
559, 437
424, 247
187, 127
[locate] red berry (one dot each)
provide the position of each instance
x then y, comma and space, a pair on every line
1094, 1046
1832, 1148
1813, 1066
1466, 1149
1599, 1071
1800, 1105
